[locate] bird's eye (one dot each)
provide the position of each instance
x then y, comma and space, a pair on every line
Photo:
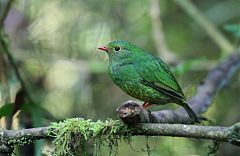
117, 48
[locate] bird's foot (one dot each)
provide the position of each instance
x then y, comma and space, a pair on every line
145, 105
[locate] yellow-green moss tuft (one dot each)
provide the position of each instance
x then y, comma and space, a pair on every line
75, 136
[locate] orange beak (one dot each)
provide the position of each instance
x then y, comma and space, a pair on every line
103, 48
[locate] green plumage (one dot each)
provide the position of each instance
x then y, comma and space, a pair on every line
144, 76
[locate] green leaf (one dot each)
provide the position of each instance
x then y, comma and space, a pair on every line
6, 110
233, 28
187, 66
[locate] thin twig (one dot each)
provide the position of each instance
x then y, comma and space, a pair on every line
6, 97
207, 25
158, 35
5, 13
4, 48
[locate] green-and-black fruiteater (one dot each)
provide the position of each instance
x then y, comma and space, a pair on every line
144, 76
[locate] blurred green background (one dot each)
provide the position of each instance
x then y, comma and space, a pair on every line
54, 44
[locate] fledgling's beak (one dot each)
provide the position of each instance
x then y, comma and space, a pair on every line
103, 48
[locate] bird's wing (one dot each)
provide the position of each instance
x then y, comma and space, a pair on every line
156, 74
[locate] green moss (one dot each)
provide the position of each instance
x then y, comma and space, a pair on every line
214, 148
74, 136
235, 134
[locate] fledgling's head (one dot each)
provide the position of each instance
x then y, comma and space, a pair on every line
119, 49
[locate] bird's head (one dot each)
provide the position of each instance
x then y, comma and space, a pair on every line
118, 50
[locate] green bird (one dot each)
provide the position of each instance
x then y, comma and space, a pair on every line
144, 76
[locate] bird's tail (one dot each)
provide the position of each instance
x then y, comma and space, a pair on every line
190, 112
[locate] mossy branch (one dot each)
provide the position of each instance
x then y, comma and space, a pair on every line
72, 133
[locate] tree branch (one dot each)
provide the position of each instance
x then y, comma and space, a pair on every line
226, 134
132, 113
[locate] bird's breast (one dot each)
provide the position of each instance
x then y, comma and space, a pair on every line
129, 81
123, 72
